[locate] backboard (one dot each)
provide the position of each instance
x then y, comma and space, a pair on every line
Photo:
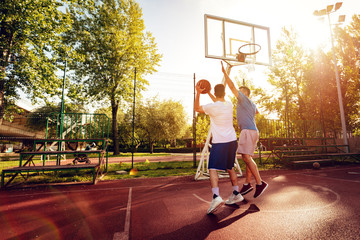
224, 37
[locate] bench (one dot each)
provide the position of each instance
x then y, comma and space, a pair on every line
327, 160
27, 169
42, 153
319, 148
292, 151
29, 165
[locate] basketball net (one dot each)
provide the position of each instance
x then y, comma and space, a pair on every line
251, 63
202, 171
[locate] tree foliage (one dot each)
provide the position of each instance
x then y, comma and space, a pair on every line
110, 37
157, 120
305, 80
30, 47
348, 50
288, 75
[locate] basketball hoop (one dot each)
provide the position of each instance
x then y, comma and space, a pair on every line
247, 49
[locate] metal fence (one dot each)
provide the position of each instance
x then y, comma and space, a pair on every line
269, 128
77, 126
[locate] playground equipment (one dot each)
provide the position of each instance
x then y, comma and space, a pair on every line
68, 132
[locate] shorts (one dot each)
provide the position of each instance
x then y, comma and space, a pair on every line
247, 141
222, 155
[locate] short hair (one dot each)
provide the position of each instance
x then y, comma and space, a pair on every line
219, 90
246, 89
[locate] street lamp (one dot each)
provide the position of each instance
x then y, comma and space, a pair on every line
330, 9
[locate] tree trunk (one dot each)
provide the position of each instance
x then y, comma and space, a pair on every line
114, 108
151, 147
2, 99
2, 92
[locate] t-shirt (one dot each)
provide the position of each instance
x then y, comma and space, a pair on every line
221, 121
245, 112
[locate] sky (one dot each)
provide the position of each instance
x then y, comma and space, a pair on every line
178, 28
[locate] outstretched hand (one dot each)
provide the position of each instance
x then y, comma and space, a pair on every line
223, 69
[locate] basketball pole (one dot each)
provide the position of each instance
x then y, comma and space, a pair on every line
133, 124
194, 130
201, 173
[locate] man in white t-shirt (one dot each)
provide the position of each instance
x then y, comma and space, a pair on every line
224, 144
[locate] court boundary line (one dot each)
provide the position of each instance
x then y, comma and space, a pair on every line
333, 178
125, 235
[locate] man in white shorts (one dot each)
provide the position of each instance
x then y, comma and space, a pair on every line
224, 144
249, 135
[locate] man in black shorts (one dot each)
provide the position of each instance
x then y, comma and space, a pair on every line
224, 144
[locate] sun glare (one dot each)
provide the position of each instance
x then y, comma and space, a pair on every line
314, 34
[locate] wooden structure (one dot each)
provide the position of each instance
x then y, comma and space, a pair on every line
295, 151
64, 136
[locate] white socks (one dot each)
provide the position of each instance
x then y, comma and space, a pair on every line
215, 191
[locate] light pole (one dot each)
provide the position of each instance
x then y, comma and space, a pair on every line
330, 9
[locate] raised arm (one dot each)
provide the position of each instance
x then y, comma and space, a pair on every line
229, 82
197, 106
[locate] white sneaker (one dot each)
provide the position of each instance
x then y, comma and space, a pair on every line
234, 199
215, 204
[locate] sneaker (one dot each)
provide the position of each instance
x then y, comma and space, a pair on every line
215, 204
260, 189
234, 198
246, 189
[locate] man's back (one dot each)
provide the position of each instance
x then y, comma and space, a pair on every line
245, 112
221, 118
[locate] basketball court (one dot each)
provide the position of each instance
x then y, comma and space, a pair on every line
298, 204
302, 204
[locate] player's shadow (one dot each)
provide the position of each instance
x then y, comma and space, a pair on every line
209, 223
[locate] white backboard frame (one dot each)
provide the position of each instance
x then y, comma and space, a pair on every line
223, 46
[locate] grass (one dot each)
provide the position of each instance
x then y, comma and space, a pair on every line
144, 170
153, 169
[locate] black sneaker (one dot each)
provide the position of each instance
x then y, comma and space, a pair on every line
260, 189
246, 189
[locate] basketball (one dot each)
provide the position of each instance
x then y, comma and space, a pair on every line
204, 84
316, 165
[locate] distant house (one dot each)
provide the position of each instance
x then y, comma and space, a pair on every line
17, 128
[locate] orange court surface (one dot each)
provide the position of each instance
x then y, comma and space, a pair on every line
298, 204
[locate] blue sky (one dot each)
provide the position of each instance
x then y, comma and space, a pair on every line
178, 28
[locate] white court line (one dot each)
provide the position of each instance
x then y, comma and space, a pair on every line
334, 178
73, 191
125, 234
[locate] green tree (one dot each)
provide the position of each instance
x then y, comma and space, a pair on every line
290, 64
288, 76
157, 120
111, 38
202, 128
348, 52
30, 43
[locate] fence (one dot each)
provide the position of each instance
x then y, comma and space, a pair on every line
77, 126
269, 128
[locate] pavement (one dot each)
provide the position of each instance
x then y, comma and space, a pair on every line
298, 204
